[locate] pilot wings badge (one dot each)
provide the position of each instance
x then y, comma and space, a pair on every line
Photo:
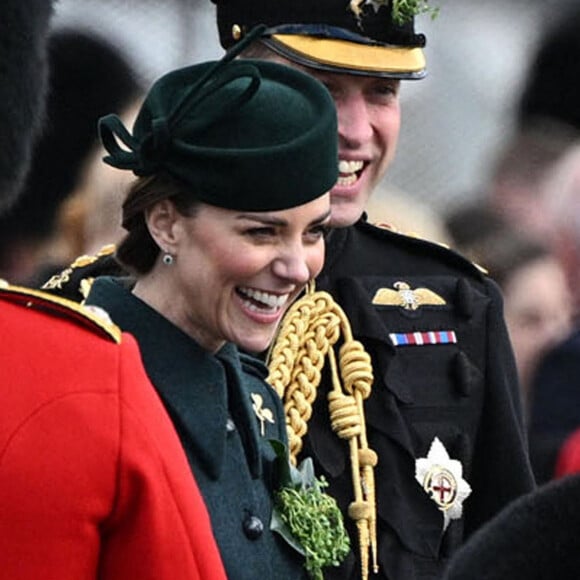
407, 298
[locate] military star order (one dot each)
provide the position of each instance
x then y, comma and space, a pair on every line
442, 478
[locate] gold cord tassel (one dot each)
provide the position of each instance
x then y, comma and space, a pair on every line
309, 331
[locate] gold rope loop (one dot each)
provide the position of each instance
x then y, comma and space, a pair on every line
344, 418
307, 335
356, 368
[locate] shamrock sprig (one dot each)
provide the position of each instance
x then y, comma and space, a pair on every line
405, 10
309, 519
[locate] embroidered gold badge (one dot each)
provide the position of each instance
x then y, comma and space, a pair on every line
264, 414
57, 281
407, 298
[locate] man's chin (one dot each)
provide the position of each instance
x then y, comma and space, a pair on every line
344, 215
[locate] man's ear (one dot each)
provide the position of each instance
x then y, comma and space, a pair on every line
161, 219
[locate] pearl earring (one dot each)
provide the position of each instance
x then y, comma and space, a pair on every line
167, 259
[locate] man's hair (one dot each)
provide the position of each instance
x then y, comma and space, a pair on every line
258, 50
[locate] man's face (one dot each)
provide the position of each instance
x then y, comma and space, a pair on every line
369, 118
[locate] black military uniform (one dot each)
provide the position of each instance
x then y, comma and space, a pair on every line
441, 370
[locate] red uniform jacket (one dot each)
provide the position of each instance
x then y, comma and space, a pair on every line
93, 480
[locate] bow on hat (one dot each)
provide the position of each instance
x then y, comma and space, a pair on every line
143, 156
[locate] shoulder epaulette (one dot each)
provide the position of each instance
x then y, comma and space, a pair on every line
409, 234
85, 316
414, 236
74, 282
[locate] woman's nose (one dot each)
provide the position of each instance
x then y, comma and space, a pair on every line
293, 266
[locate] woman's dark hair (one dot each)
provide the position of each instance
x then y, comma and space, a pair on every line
138, 251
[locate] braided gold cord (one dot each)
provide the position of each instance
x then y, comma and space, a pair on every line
297, 359
310, 329
357, 373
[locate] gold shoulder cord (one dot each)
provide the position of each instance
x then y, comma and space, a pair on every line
310, 329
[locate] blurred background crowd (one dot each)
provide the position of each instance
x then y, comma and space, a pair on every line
496, 126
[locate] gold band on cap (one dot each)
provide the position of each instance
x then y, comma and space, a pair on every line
343, 54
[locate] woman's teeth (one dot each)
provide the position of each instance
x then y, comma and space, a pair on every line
267, 301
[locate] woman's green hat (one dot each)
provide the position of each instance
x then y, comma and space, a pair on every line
241, 134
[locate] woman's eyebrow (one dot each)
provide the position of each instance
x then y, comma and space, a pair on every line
277, 221
263, 219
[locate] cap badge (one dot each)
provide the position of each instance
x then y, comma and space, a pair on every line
407, 298
262, 412
403, 10
442, 479
355, 7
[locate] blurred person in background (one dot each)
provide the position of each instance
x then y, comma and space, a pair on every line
515, 191
55, 214
555, 392
537, 299
524, 188
537, 189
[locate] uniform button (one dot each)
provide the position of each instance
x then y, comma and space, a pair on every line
253, 527
230, 425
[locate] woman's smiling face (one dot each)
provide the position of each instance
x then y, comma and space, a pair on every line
234, 273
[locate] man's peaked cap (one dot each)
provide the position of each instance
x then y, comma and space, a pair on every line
356, 37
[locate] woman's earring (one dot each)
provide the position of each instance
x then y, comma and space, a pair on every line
167, 259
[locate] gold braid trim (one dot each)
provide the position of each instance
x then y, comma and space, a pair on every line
307, 335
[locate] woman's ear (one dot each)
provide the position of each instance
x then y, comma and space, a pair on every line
161, 219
